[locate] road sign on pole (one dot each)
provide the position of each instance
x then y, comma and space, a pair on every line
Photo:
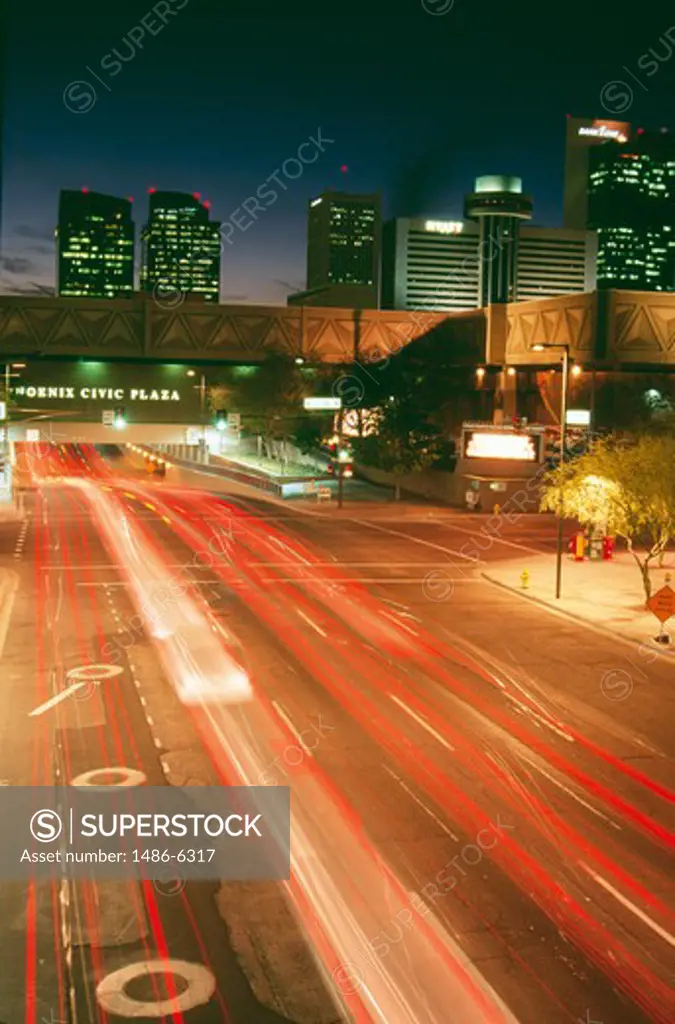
108, 417
234, 421
662, 603
318, 403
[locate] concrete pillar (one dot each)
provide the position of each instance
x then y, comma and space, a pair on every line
508, 390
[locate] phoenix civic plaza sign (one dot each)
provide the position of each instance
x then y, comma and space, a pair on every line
94, 394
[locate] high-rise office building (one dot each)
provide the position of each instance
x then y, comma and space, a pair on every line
180, 247
631, 205
583, 135
95, 246
555, 261
436, 264
498, 206
429, 264
343, 251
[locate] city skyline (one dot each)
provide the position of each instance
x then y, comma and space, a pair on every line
414, 140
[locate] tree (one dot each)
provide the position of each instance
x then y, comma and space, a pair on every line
269, 395
625, 487
403, 443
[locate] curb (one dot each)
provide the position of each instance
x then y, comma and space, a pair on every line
603, 630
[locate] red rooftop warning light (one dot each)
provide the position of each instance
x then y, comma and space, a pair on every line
207, 204
151, 190
196, 195
344, 168
84, 189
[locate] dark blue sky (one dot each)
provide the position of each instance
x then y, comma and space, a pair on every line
418, 104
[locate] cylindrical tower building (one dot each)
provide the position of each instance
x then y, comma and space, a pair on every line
498, 205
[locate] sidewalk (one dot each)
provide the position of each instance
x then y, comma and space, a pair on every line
604, 594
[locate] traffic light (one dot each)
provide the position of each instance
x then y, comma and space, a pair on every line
221, 419
119, 418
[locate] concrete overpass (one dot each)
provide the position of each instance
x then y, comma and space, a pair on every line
612, 330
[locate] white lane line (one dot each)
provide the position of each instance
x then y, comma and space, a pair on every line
570, 792
415, 540
661, 932
339, 564
420, 721
494, 538
311, 623
389, 581
53, 701
287, 721
420, 803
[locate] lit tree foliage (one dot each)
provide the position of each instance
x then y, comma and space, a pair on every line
626, 488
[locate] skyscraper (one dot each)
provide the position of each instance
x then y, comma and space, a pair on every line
631, 204
436, 264
583, 134
343, 251
498, 205
180, 247
95, 246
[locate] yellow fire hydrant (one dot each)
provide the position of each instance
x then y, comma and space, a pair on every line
524, 579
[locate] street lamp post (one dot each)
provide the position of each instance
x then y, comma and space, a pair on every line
341, 468
563, 438
202, 400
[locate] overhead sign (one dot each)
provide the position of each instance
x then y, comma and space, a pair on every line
444, 227
108, 417
157, 393
578, 417
98, 394
234, 421
662, 603
489, 445
322, 403
3, 410
32, 435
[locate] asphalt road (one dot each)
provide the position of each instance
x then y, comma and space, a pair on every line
468, 734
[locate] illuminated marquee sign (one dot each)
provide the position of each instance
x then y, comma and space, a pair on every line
489, 445
444, 227
98, 394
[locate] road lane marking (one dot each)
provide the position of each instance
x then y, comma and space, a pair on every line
311, 623
283, 715
427, 810
420, 721
416, 540
63, 695
570, 792
661, 932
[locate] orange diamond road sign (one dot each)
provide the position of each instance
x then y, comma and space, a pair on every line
662, 603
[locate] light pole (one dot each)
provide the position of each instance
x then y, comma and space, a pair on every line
340, 460
541, 347
202, 400
8, 376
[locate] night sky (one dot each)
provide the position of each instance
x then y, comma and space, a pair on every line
417, 103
